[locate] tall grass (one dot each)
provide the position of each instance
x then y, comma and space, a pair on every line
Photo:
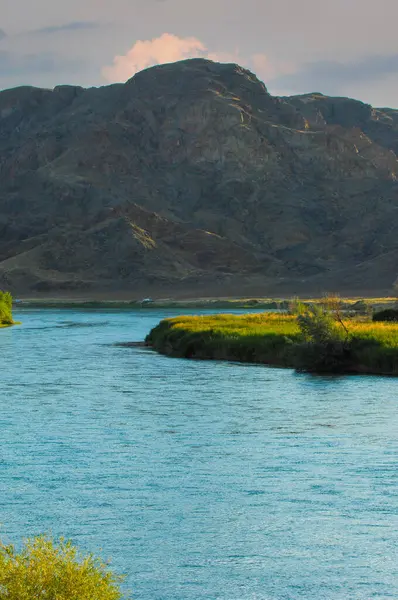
273, 338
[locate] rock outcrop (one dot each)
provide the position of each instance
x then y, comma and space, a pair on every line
191, 177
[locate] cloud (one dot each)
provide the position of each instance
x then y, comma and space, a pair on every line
334, 77
73, 26
170, 48
263, 67
164, 49
2, 34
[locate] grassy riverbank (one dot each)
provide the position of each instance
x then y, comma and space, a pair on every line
274, 339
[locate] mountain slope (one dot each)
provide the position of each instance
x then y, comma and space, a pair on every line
192, 177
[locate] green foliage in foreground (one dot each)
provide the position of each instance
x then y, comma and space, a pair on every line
356, 346
49, 571
6, 308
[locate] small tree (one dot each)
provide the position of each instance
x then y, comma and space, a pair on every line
323, 322
47, 570
325, 335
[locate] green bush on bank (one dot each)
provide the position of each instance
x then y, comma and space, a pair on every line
6, 308
324, 347
47, 570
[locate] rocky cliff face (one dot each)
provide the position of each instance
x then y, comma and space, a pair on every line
192, 177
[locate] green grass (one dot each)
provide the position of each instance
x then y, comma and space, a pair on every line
248, 338
271, 338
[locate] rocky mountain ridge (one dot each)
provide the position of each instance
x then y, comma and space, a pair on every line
192, 178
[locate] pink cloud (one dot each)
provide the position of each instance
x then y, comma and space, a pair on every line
165, 49
261, 64
170, 48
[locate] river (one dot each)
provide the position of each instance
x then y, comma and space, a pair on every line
200, 480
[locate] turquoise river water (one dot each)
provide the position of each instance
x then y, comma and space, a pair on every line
200, 480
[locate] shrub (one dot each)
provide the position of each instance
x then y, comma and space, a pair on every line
317, 326
388, 315
321, 323
5, 308
47, 570
324, 347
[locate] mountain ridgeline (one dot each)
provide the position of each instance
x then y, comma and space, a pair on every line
192, 179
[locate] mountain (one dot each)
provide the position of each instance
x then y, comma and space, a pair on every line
192, 179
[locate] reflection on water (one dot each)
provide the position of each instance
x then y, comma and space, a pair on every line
202, 480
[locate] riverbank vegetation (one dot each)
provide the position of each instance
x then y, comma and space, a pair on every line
49, 570
6, 309
317, 338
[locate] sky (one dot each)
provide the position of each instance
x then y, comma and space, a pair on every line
336, 47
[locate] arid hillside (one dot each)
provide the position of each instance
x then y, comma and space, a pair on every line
192, 178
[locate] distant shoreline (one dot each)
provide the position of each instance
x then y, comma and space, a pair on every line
266, 303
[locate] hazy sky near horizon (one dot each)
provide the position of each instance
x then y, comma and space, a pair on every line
338, 47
